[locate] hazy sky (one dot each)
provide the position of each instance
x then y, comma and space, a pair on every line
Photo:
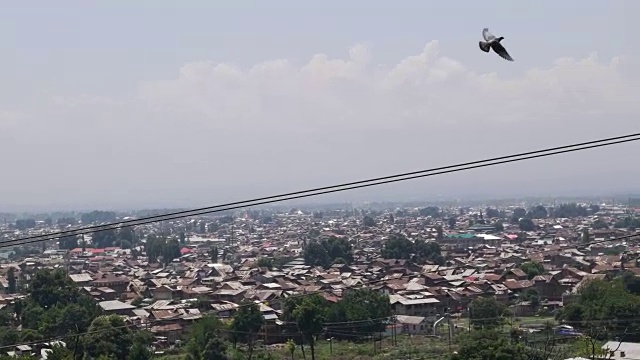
178, 103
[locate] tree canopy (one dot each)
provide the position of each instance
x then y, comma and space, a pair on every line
247, 321
325, 252
532, 269
606, 309
491, 345
420, 251
486, 313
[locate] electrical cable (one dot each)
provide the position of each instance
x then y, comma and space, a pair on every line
331, 189
326, 190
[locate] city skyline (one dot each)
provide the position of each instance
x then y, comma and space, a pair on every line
198, 105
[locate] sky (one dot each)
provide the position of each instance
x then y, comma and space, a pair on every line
120, 104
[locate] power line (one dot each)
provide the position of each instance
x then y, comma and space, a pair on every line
326, 190
333, 189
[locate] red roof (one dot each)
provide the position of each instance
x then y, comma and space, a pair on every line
185, 250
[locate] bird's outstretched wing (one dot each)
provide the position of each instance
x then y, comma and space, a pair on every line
484, 46
487, 35
500, 50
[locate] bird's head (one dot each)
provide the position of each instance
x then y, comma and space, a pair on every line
500, 38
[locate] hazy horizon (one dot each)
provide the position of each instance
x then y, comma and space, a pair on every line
155, 105
320, 201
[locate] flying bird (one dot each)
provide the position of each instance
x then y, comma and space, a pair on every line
492, 42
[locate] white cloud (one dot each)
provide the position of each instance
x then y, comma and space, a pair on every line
427, 85
282, 124
11, 118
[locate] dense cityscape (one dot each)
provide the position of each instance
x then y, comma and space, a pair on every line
522, 280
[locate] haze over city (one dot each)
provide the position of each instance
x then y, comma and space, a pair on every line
127, 105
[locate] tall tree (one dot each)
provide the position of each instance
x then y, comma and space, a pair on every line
526, 224
205, 342
68, 242
114, 339
486, 313
309, 313
170, 251
214, 253
358, 306
368, 221
315, 254
452, 222
247, 321
104, 238
11, 280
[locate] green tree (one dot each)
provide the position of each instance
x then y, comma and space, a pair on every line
368, 221
247, 321
432, 211
11, 280
104, 238
603, 309
49, 288
98, 216
140, 349
491, 213
420, 251
538, 212
153, 247
68, 242
114, 337
59, 352
366, 309
570, 210
631, 282
61, 320
490, 345
8, 336
599, 224
486, 313
427, 251
532, 269
156, 247
205, 330
439, 232
531, 295
309, 312
397, 247
291, 347
170, 251
126, 233
526, 224
316, 255
214, 253
214, 350
265, 262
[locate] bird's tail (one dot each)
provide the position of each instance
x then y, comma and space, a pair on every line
484, 46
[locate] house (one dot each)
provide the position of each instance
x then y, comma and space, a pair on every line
163, 292
413, 324
415, 306
116, 307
